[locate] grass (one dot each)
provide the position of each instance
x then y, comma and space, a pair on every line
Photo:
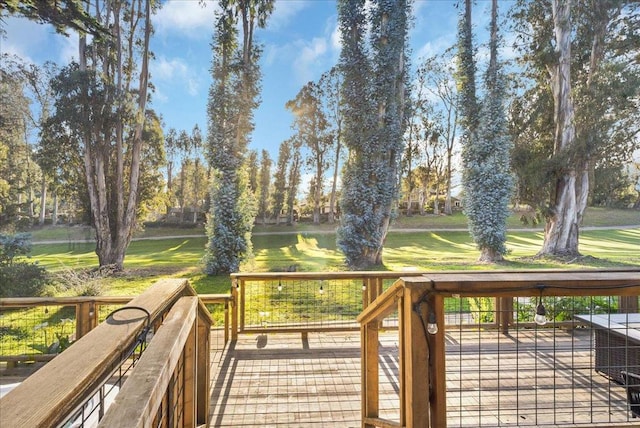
147, 261
594, 217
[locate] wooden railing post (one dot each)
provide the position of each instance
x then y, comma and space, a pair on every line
234, 310
191, 377
415, 355
627, 304
203, 368
86, 318
370, 378
242, 302
437, 368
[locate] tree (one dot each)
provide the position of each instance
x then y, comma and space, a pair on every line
487, 176
440, 83
373, 93
62, 14
233, 97
171, 147
252, 161
16, 166
312, 130
330, 83
102, 103
265, 186
280, 180
294, 178
578, 107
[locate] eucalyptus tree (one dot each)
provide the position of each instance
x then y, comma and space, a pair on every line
14, 113
440, 88
330, 83
101, 103
171, 148
293, 178
417, 108
487, 175
63, 15
580, 110
264, 186
373, 93
233, 97
35, 81
252, 167
312, 129
280, 180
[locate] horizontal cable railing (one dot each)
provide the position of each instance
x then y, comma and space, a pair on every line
566, 355
72, 386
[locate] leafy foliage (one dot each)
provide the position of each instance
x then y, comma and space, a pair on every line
63, 15
312, 130
233, 97
19, 278
486, 176
373, 93
604, 88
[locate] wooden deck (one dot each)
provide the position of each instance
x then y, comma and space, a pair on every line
290, 380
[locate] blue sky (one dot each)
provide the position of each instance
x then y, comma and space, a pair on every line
300, 43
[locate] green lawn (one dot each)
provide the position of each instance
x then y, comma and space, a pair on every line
148, 260
594, 217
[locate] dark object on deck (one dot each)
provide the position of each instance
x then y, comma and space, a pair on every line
632, 384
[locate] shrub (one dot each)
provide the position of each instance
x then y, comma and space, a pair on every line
19, 278
22, 279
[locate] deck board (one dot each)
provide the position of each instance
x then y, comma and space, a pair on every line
285, 380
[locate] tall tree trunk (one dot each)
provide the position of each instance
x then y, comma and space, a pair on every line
54, 213
43, 201
334, 182
562, 227
436, 202
448, 210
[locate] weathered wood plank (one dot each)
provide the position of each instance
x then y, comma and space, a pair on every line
48, 396
416, 355
552, 283
383, 305
382, 423
140, 397
437, 366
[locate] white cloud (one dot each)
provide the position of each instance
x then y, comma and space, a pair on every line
69, 48
336, 38
175, 72
435, 47
188, 17
311, 53
284, 11
168, 69
193, 86
23, 38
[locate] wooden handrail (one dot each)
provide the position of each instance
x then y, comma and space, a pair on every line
17, 302
262, 276
138, 401
524, 284
47, 397
385, 304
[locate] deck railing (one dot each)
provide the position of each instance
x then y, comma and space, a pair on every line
71, 387
304, 301
48, 321
532, 375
